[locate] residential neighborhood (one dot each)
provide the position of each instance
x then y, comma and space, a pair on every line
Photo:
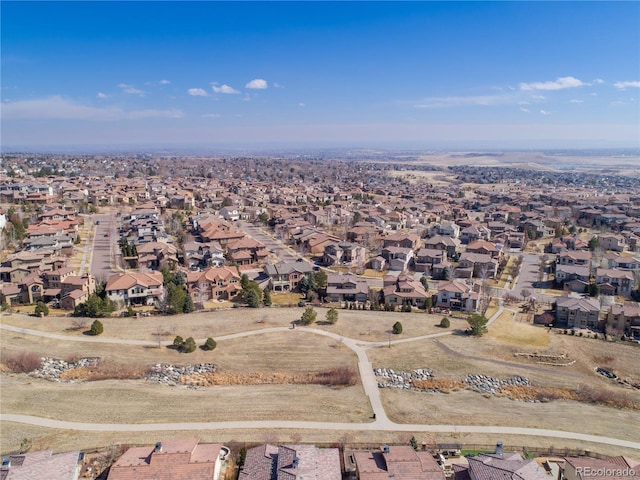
123, 240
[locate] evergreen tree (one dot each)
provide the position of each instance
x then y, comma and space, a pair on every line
96, 327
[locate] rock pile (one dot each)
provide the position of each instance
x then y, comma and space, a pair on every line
486, 384
167, 374
51, 368
401, 379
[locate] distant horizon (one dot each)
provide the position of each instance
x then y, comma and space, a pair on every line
527, 75
310, 149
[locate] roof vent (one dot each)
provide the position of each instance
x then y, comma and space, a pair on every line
296, 462
386, 449
6, 464
499, 449
158, 447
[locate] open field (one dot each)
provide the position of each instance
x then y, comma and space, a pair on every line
470, 408
135, 401
295, 351
361, 325
292, 353
505, 329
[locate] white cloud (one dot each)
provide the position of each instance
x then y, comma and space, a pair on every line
544, 112
538, 97
559, 84
211, 115
246, 98
301, 104
164, 82
130, 89
276, 85
60, 108
624, 85
598, 81
223, 89
525, 110
197, 92
101, 95
575, 100
257, 83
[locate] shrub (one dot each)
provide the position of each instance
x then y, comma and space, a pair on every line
130, 312
308, 316
407, 308
332, 316
189, 345
96, 327
397, 328
178, 342
21, 362
210, 344
445, 323
41, 309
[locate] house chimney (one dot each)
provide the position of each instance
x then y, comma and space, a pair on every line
158, 447
499, 449
6, 464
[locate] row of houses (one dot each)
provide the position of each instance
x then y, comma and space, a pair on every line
579, 312
190, 459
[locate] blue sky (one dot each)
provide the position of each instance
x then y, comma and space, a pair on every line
510, 74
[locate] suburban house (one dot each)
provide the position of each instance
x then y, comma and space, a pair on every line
397, 462
457, 295
508, 466
448, 244
426, 258
477, 265
404, 240
574, 257
398, 258
246, 251
474, 232
75, 290
157, 255
565, 273
42, 464
584, 468
614, 282
403, 290
171, 460
217, 283
346, 288
485, 248
625, 318
577, 312
135, 288
344, 253
613, 242
291, 462
201, 255
285, 276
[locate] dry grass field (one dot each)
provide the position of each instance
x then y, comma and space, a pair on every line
295, 351
134, 401
361, 325
470, 408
